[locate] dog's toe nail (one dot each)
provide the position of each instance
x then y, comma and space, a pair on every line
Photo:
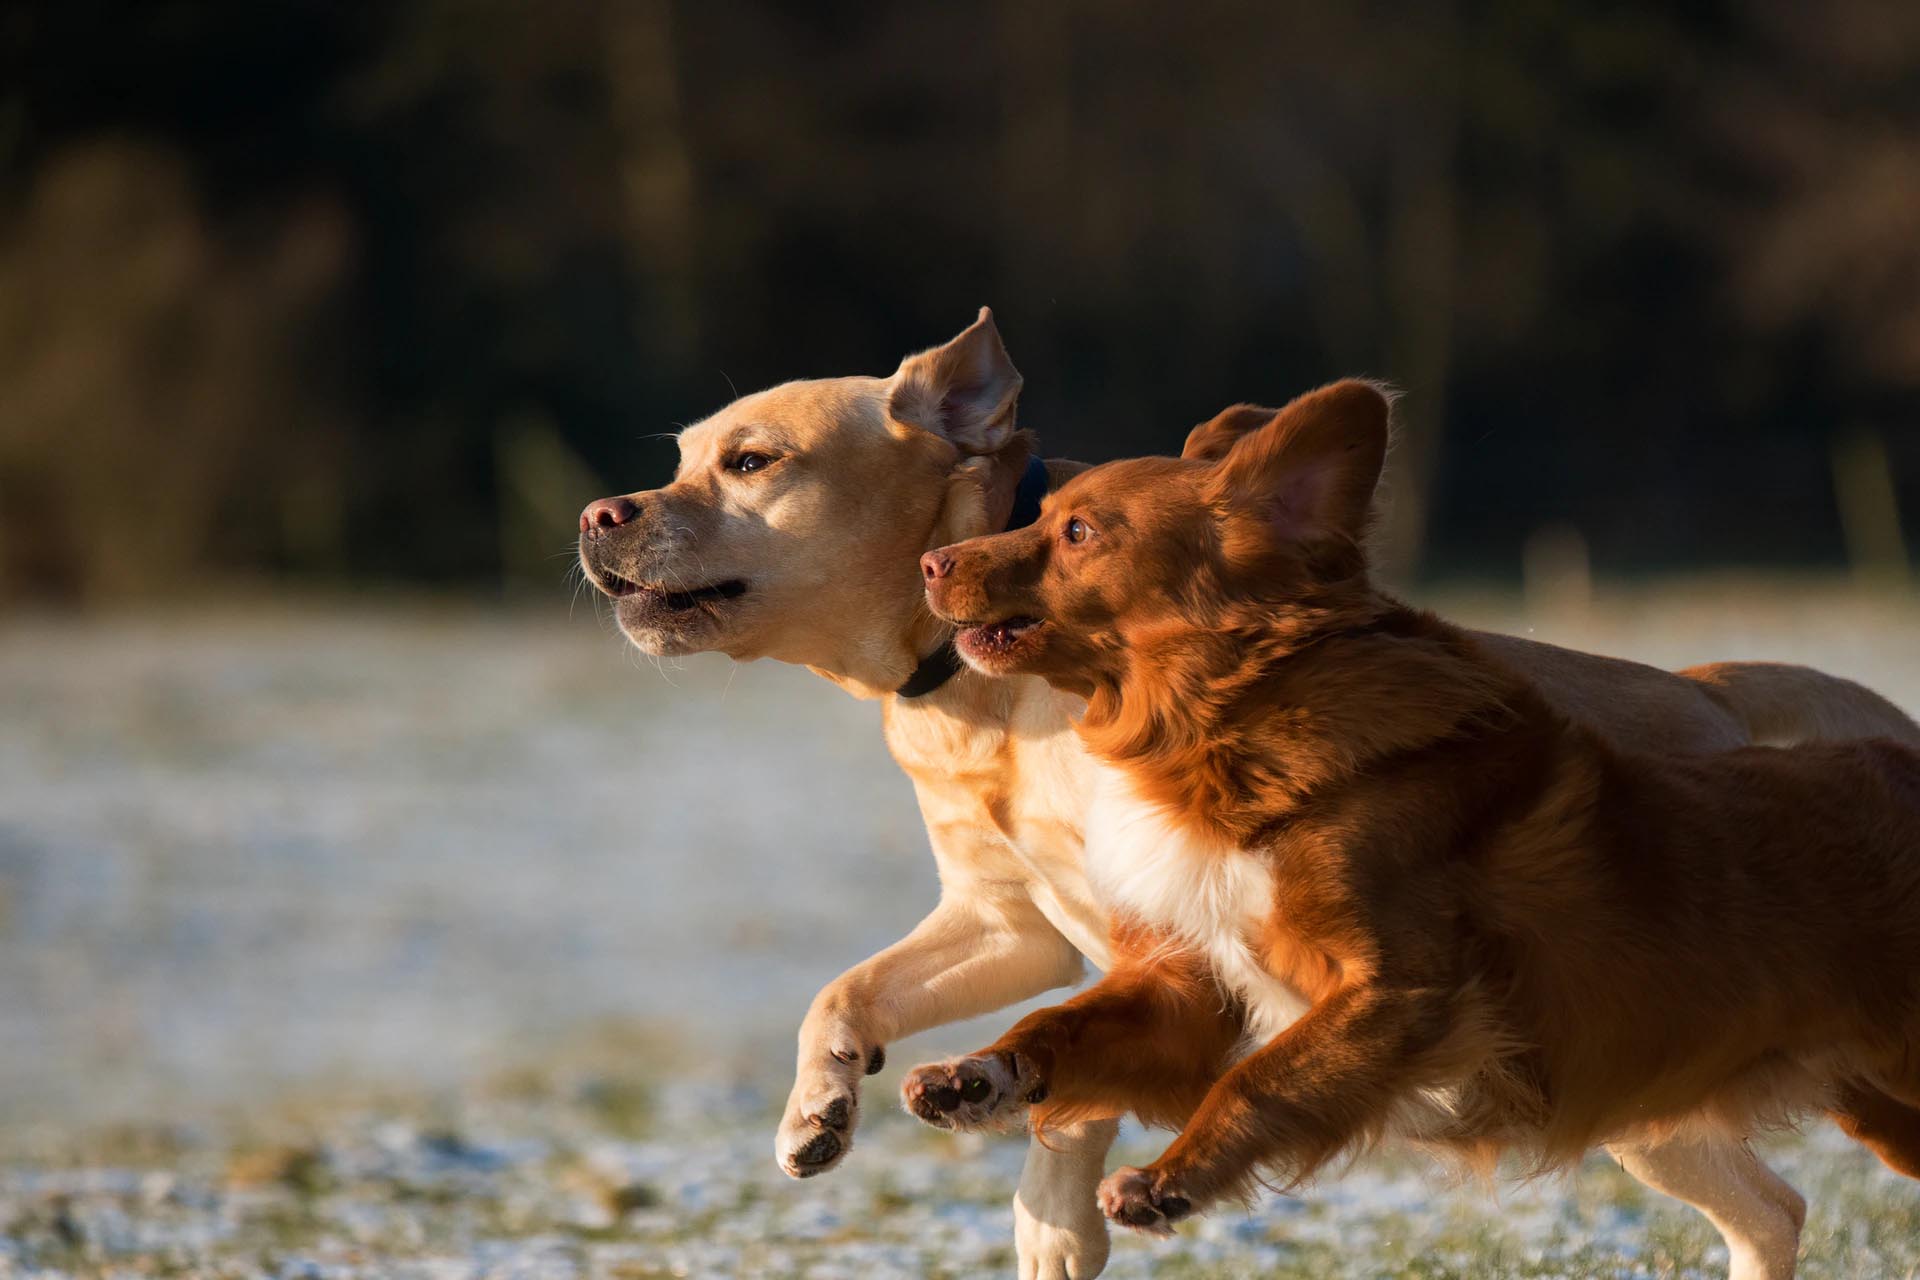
876, 1060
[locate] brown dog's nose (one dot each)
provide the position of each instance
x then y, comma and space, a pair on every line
607, 513
936, 565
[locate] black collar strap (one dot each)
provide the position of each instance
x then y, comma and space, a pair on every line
938, 667
943, 664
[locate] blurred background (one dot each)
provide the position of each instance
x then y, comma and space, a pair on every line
320, 322
351, 293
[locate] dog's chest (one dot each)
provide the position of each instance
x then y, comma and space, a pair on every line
1003, 789
1212, 896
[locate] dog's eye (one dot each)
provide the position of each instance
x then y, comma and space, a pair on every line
1076, 530
748, 463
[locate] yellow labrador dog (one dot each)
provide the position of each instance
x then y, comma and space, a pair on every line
793, 530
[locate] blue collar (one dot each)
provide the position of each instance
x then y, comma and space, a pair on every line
943, 663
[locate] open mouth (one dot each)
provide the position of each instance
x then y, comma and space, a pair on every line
673, 601
991, 640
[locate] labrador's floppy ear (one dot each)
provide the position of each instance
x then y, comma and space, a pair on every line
1210, 441
964, 391
1311, 470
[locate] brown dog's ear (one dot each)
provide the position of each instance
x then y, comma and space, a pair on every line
964, 391
1313, 467
1210, 441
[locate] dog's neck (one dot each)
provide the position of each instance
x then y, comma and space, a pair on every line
877, 667
982, 494
1234, 728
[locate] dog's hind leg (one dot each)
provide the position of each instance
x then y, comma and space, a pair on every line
1058, 1229
1754, 1210
1884, 1125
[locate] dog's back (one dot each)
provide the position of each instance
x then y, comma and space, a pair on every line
1748, 939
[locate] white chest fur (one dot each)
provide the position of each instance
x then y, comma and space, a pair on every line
1209, 895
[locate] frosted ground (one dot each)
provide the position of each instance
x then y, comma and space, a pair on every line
395, 941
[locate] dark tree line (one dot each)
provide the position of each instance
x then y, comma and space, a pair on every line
376, 291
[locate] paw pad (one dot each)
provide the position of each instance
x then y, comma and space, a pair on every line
986, 1090
817, 1155
1130, 1198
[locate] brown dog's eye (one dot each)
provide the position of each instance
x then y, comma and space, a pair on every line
1076, 530
748, 463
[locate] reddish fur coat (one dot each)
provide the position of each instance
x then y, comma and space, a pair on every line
1498, 931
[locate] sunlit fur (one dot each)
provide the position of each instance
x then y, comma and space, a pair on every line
1509, 933
875, 471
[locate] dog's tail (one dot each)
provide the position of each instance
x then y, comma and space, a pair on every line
1781, 704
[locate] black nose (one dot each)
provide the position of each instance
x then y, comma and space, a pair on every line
607, 513
936, 565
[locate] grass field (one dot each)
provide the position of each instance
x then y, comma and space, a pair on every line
403, 941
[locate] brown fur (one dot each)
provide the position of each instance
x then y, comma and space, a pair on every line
1470, 891
867, 474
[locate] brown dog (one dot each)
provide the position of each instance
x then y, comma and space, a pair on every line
793, 530
1350, 835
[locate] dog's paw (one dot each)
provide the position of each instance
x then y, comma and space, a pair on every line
984, 1091
1140, 1199
817, 1130
1058, 1233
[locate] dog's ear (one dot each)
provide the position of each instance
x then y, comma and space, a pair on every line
964, 391
1210, 441
1312, 468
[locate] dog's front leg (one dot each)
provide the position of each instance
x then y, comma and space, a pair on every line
1058, 1230
1150, 1038
1285, 1109
976, 952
